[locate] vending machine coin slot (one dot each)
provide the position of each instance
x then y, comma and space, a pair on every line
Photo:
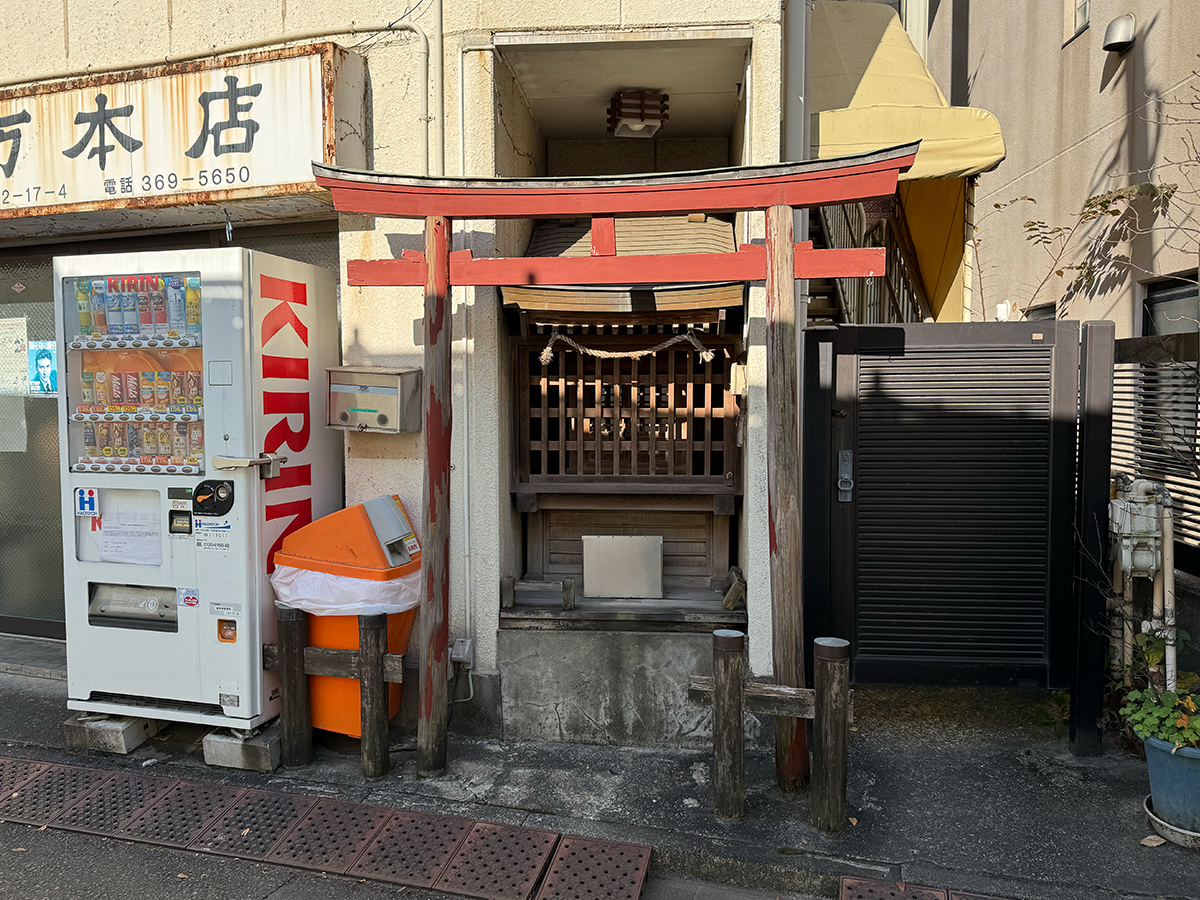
212, 498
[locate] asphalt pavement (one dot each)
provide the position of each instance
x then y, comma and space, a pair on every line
951, 788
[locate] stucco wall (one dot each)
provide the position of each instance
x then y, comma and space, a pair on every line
1077, 121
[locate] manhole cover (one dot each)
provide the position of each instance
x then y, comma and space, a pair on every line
412, 849
869, 889
331, 836
15, 772
584, 869
114, 804
252, 826
498, 862
49, 793
181, 814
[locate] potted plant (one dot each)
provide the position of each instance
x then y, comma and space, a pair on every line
1168, 722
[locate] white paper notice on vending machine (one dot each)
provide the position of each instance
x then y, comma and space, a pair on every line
131, 537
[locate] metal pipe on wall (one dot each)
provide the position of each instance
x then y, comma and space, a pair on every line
1170, 660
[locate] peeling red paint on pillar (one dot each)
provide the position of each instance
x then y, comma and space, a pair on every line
433, 708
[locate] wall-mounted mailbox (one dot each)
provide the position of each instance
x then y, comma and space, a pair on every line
366, 398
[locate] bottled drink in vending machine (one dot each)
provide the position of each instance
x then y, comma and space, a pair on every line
145, 307
176, 314
83, 302
158, 302
129, 305
192, 300
99, 307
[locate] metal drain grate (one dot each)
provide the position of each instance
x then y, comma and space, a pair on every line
331, 836
412, 848
498, 863
15, 772
182, 814
49, 793
114, 804
584, 869
253, 825
869, 889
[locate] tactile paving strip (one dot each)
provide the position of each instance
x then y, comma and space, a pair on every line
114, 804
412, 849
253, 825
15, 772
182, 814
331, 836
49, 793
585, 869
496, 862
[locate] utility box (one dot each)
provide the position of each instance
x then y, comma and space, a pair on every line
367, 398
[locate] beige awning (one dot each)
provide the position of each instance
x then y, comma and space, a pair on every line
870, 89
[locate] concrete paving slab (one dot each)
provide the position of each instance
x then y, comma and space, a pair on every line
34, 657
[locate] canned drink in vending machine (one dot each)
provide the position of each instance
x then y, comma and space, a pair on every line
162, 434
196, 440
178, 389
120, 440
89, 440
116, 388
104, 438
134, 440
194, 388
148, 386
162, 391
103, 394
87, 388
179, 441
133, 386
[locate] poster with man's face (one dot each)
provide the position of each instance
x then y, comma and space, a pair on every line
43, 369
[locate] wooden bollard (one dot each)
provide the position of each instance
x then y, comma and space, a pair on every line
831, 732
295, 715
372, 645
729, 745
568, 593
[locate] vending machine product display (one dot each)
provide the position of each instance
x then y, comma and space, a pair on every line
191, 402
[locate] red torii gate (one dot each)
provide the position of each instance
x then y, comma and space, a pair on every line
776, 189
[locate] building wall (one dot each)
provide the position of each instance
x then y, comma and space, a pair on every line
383, 327
1077, 121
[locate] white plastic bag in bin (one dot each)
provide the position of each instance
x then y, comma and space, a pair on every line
323, 594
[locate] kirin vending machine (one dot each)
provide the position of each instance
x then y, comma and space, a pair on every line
191, 411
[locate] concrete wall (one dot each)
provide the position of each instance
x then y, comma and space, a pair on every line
1077, 121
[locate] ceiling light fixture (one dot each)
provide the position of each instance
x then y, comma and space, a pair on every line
636, 113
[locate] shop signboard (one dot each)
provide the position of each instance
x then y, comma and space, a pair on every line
237, 127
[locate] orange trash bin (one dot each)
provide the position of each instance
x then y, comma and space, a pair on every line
362, 560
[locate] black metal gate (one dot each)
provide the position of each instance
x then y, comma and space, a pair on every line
939, 499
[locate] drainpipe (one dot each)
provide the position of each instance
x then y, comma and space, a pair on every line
1167, 575
466, 362
439, 93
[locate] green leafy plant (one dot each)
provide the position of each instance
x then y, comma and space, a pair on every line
1054, 713
1167, 715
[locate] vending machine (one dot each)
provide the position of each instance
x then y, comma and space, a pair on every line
191, 410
